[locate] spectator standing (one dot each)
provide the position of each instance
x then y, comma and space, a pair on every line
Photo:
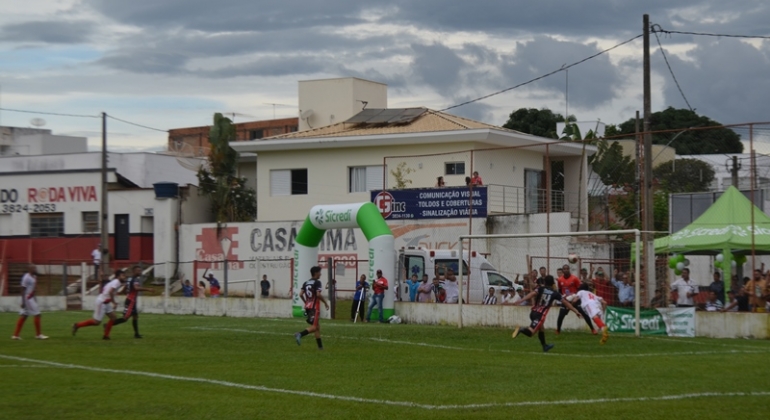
425, 290
264, 285
440, 182
187, 289
213, 285
584, 279
96, 255
359, 298
713, 304
756, 290
625, 290
380, 286
539, 281
685, 290
603, 288
490, 299
439, 294
201, 289
718, 286
451, 287
476, 179
468, 181
413, 284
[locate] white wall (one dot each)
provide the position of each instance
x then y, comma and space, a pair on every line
336, 100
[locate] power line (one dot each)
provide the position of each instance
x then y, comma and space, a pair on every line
135, 124
662, 51
59, 114
563, 68
659, 29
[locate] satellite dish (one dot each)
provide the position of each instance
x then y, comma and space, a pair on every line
37, 122
306, 114
189, 157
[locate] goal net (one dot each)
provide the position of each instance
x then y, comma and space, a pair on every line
602, 259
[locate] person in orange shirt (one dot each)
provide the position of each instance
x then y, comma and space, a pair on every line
380, 286
476, 179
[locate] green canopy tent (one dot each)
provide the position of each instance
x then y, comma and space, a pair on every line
725, 227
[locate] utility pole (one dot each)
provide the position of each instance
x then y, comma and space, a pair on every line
648, 222
638, 166
734, 171
105, 247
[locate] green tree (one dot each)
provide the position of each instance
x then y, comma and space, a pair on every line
538, 122
684, 175
400, 174
231, 200
694, 142
613, 167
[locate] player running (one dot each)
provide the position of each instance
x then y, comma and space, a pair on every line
29, 304
594, 306
133, 287
105, 304
546, 296
568, 286
311, 295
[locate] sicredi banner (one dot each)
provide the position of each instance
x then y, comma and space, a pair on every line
431, 203
674, 322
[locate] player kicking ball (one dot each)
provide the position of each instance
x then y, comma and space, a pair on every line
546, 296
105, 304
594, 306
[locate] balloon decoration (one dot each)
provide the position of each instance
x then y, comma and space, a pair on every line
678, 272
720, 257
686, 262
680, 266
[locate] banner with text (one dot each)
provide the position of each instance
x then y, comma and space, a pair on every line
675, 322
431, 203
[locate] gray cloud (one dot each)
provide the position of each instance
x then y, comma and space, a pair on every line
438, 66
50, 32
149, 62
725, 79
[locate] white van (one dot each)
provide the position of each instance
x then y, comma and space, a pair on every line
434, 262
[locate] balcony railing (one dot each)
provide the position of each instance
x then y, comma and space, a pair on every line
520, 200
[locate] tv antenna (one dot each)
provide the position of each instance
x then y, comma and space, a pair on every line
234, 114
275, 105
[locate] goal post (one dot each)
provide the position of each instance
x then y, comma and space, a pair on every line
524, 244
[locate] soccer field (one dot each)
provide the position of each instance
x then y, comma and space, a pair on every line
196, 367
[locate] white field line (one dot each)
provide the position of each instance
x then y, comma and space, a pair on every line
706, 343
439, 346
387, 402
26, 366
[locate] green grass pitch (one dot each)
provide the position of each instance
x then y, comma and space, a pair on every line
193, 367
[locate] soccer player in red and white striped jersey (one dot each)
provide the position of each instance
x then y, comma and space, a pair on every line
546, 296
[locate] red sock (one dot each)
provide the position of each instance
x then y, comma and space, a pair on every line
107, 328
87, 323
598, 322
37, 324
19, 324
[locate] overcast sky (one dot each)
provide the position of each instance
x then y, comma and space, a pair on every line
173, 63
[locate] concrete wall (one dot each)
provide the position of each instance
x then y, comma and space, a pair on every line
46, 303
233, 307
336, 100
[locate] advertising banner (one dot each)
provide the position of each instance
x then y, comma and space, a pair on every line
431, 203
675, 322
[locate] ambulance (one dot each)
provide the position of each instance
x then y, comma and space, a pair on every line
478, 273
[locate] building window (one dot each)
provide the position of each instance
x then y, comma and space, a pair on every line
256, 134
365, 178
90, 221
46, 225
288, 182
454, 168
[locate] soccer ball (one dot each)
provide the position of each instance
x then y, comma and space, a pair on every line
394, 319
572, 258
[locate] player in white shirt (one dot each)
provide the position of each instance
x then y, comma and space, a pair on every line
105, 304
29, 304
594, 307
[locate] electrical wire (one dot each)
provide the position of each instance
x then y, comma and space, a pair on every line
135, 124
563, 68
59, 114
673, 76
659, 29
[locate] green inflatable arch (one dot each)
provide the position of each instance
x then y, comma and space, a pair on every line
366, 216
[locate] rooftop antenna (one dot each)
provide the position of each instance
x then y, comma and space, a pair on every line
234, 114
365, 103
274, 105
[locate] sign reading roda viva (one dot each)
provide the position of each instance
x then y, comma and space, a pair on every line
50, 195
